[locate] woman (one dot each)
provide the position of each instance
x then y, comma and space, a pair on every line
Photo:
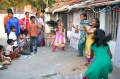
59, 39
102, 65
90, 33
24, 22
41, 40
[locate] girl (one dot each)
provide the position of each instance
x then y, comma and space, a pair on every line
26, 35
59, 39
102, 64
41, 40
82, 40
89, 31
4, 60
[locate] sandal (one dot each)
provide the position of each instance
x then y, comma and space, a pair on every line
4, 67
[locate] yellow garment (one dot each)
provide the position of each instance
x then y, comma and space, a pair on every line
89, 40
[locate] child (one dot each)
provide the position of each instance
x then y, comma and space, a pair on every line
13, 36
82, 40
33, 32
23, 45
4, 60
25, 35
13, 54
90, 33
102, 65
59, 39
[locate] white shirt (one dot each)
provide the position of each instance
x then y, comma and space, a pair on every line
9, 49
12, 35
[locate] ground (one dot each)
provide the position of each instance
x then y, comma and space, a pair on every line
46, 64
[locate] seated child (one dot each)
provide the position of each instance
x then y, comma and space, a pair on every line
25, 35
4, 60
13, 54
23, 45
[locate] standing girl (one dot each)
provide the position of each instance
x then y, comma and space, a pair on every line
41, 40
90, 33
82, 40
59, 39
102, 65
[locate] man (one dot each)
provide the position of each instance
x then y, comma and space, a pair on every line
13, 22
6, 18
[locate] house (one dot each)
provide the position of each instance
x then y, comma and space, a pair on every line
108, 11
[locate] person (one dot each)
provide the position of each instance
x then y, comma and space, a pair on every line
4, 60
24, 22
13, 36
90, 33
33, 33
13, 54
82, 40
23, 45
6, 18
13, 22
41, 40
102, 65
26, 35
59, 39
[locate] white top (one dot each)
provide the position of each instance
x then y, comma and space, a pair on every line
12, 35
9, 49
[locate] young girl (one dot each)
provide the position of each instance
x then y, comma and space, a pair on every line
4, 60
102, 64
59, 39
90, 33
82, 40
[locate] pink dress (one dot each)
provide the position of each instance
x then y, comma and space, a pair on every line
59, 39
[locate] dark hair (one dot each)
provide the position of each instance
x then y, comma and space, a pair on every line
100, 38
37, 13
9, 41
97, 23
10, 12
12, 27
26, 13
19, 34
84, 14
25, 31
58, 20
1, 47
32, 17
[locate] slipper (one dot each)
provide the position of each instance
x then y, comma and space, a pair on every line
4, 67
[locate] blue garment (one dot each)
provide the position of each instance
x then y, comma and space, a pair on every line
33, 40
15, 22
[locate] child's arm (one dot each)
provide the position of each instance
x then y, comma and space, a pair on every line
110, 54
91, 54
1, 58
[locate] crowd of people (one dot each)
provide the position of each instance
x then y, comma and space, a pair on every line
23, 33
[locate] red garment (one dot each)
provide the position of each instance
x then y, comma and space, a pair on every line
27, 22
11, 56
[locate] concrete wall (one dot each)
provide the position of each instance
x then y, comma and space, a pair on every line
102, 26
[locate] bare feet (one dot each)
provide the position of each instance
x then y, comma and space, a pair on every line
86, 64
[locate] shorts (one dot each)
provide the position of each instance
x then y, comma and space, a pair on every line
11, 56
6, 62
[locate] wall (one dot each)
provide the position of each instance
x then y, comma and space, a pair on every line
47, 18
102, 26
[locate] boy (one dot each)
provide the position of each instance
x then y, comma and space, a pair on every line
4, 60
23, 45
12, 36
13, 54
33, 32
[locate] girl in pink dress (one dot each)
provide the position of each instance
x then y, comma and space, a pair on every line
59, 39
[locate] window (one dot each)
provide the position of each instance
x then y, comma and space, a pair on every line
111, 24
